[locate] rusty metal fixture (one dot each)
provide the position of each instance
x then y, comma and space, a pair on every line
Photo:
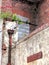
4, 49
10, 32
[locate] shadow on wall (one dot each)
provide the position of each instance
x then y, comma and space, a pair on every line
36, 15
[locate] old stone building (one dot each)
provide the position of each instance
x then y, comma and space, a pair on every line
31, 49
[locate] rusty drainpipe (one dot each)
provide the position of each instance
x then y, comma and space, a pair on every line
10, 32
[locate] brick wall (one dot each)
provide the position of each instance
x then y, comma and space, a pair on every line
27, 11
44, 12
24, 10
6, 5
20, 9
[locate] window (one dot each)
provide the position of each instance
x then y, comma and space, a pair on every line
23, 29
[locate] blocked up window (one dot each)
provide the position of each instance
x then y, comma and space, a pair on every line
23, 29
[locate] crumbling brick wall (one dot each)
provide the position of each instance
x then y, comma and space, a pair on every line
6, 5
19, 8
26, 10
44, 12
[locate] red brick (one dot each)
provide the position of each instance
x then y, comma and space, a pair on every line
34, 57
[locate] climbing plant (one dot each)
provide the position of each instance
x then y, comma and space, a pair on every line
9, 16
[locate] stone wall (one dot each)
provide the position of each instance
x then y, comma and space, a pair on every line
0, 40
36, 43
0, 33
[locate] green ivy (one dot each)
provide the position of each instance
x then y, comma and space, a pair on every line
4, 15
14, 17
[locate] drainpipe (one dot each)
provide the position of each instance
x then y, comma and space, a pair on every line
10, 33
